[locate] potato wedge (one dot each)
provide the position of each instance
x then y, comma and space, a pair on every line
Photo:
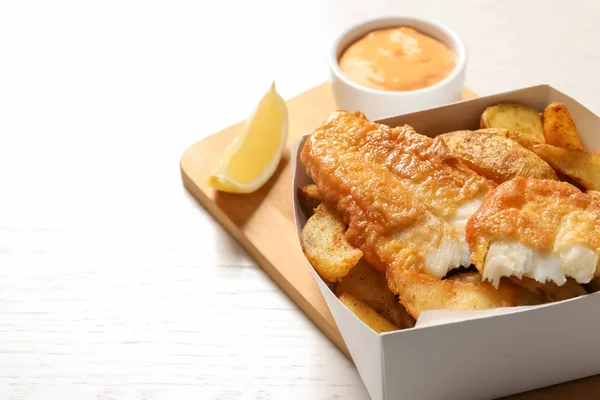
309, 199
516, 117
495, 157
581, 166
370, 286
367, 314
550, 291
524, 139
463, 291
311, 192
325, 245
559, 127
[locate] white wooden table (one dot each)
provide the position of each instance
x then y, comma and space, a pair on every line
114, 283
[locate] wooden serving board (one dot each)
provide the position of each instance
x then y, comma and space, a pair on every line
263, 221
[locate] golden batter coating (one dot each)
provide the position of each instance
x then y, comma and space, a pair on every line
400, 194
386, 181
495, 157
553, 225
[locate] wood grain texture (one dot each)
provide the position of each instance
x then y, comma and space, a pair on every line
263, 222
115, 284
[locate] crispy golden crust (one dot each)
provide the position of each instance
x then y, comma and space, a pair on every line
516, 117
395, 188
385, 181
559, 127
581, 166
495, 157
533, 212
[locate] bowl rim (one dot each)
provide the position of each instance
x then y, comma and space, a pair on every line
394, 21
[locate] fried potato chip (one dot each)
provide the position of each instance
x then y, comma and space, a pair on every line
515, 117
559, 127
311, 192
581, 166
526, 140
367, 314
463, 291
550, 291
370, 286
495, 157
309, 199
325, 245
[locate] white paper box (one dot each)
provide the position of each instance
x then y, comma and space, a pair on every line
483, 357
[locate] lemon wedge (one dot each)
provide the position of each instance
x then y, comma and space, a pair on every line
252, 158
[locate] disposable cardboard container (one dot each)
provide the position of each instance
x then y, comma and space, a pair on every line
488, 355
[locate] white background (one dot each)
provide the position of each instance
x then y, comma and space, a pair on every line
114, 283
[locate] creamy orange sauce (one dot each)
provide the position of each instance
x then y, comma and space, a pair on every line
397, 59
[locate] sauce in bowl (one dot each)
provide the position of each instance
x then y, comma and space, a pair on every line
397, 59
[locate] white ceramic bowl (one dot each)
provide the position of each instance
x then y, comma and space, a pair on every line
377, 104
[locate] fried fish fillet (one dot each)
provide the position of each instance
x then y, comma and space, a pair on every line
540, 229
406, 201
397, 190
495, 157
